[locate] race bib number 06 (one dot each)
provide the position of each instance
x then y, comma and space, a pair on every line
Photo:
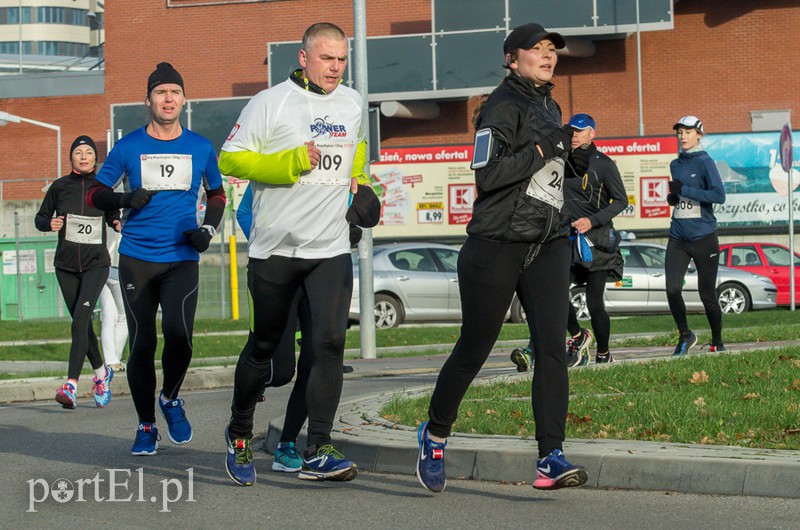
83, 229
547, 184
166, 172
334, 165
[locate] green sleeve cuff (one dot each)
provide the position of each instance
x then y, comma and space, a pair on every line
283, 167
359, 161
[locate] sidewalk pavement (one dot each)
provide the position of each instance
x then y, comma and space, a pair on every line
378, 445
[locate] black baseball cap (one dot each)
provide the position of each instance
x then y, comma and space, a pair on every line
527, 35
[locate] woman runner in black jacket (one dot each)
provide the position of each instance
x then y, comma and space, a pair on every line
81, 263
516, 242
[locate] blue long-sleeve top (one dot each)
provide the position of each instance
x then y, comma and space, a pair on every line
244, 214
701, 184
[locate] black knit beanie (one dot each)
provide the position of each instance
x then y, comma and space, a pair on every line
83, 140
163, 74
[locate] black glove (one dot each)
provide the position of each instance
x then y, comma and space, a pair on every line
672, 199
675, 186
200, 238
137, 199
556, 142
355, 234
579, 159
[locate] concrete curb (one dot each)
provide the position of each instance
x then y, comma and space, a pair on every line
44, 388
382, 446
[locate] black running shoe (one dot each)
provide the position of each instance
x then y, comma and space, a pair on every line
685, 343
578, 349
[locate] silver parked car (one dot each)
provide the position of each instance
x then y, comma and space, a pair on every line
413, 282
643, 286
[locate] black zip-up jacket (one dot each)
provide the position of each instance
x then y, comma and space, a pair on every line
599, 196
520, 116
66, 196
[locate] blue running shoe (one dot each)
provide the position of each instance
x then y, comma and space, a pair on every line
66, 396
554, 472
239, 460
287, 458
685, 343
430, 462
326, 463
180, 431
146, 442
101, 389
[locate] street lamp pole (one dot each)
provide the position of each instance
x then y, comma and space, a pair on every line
5, 117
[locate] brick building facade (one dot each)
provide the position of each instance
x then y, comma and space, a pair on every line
723, 59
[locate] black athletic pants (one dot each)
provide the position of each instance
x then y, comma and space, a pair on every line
705, 253
81, 291
272, 284
489, 272
146, 285
601, 323
282, 367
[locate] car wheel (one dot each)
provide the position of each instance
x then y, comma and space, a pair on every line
517, 312
733, 298
388, 312
577, 296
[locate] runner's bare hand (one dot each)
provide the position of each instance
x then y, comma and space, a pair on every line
56, 223
314, 154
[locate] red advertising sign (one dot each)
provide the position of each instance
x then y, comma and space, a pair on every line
460, 204
653, 195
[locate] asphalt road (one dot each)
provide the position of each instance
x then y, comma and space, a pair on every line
41, 443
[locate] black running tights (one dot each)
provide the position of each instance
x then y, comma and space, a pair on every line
489, 272
705, 253
145, 286
81, 291
601, 323
272, 284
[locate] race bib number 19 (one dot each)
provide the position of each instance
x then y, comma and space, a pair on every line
83, 229
166, 172
547, 184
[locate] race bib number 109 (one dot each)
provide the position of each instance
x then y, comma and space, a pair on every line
334, 166
166, 172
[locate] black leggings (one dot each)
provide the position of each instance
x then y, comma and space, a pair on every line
272, 284
601, 324
705, 253
81, 291
489, 272
282, 367
145, 286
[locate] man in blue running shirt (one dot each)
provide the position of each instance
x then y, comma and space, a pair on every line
167, 173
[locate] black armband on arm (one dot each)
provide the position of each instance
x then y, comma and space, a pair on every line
103, 198
215, 207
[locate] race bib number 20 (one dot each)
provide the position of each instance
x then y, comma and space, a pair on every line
166, 172
84, 229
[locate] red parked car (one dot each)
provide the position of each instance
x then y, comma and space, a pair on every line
766, 259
